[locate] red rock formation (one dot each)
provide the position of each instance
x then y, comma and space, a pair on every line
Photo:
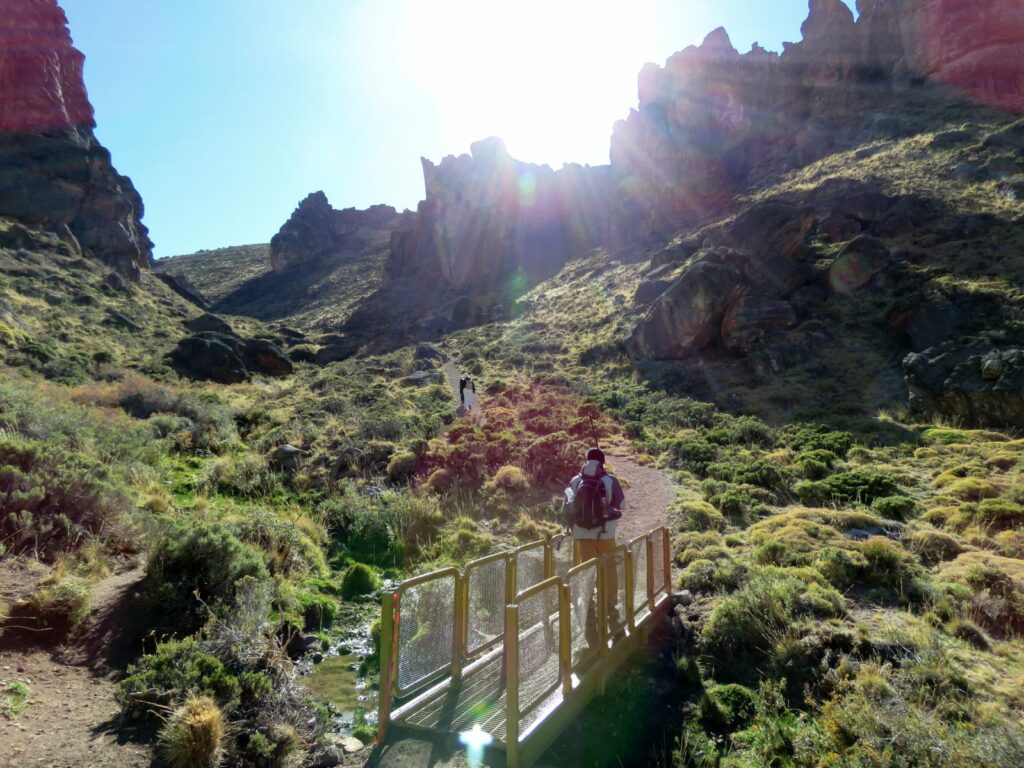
53, 172
976, 48
41, 86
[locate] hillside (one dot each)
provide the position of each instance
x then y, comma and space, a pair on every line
791, 310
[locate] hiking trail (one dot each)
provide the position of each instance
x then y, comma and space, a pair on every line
472, 407
73, 718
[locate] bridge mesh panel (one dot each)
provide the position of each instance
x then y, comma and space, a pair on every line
426, 623
582, 605
530, 567
658, 539
616, 563
561, 555
538, 646
639, 551
486, 604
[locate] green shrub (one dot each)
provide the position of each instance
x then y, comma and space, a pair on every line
895, 507
759, 472
748, 620
287, 549
196, 564
818, 438
740, 430
856, 486
770, 553
53, 499
402, 466
178, 667
841, 567
693, 453
888, 565
359, 580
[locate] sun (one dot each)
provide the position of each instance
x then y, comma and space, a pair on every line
548, 77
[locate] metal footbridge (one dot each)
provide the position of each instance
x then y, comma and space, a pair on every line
512, 646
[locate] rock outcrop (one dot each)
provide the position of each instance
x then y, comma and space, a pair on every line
54, 174
979, 381
214, 352
487, 217
316, 230
490, 227
712, 119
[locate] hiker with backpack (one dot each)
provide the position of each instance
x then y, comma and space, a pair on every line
594, 501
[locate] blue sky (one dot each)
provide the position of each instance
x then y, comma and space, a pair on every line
225, 113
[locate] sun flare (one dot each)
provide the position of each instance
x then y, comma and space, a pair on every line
539, 74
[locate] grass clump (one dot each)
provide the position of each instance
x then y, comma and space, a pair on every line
14, 699
194, 734
699, 516
359, 580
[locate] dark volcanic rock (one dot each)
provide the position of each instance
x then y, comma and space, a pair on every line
227, 359
210, 356
53, 172
857, 264
750, 320
771, 227
184, 287
336, 347
974, 380
208, 322
315, 230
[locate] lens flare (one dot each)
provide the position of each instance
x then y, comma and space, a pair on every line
475, 741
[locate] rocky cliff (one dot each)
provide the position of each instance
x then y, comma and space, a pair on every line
54, 174
316, 230
712, 121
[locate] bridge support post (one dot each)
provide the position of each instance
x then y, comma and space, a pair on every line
667, 555
565, 641
512, 685
388, 627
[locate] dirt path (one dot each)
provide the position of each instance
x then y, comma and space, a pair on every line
472, 406
648, 494
72, 717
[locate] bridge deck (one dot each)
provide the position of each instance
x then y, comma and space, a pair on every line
523, 690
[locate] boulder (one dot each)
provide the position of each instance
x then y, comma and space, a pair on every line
748, 321
209, 322
210, 356
263, 356
771, 227
977, 381
286, 458
857, 264
839, 228
427, 351
227, 359
688, 316
335, 347
422, 378
928, 324
649, 290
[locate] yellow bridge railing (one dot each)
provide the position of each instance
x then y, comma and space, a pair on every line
514, 645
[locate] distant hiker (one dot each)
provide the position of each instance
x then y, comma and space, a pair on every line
463, 383
594, 500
